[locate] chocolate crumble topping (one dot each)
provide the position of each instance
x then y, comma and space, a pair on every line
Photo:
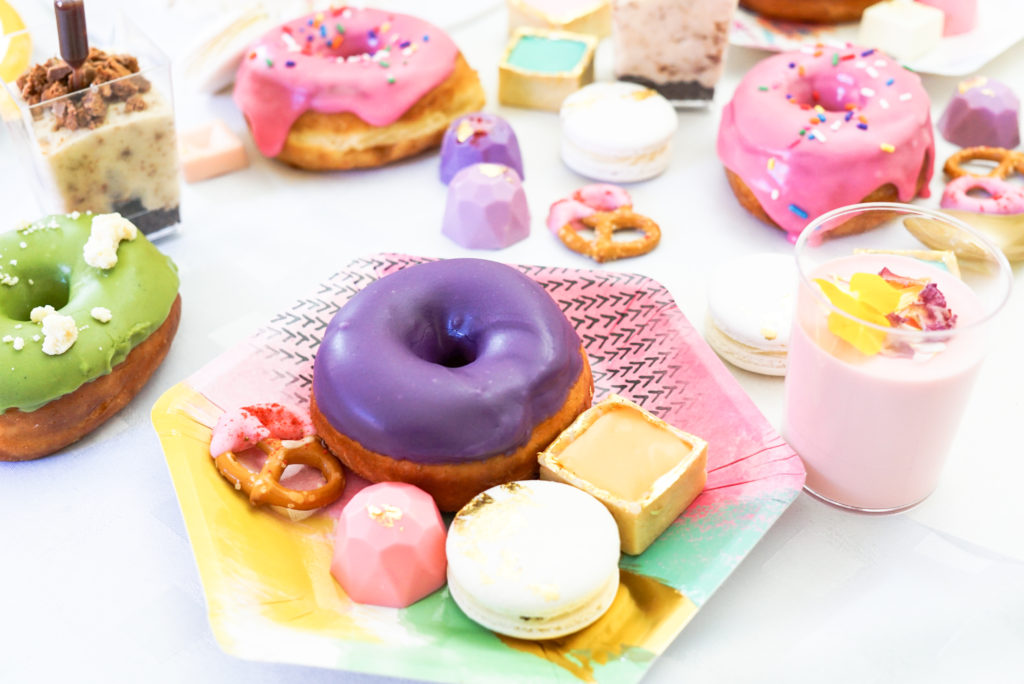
103, 76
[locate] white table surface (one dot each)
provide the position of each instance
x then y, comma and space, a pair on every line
97, 578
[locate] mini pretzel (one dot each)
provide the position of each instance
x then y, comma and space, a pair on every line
1008, 161
265, 486
604, 247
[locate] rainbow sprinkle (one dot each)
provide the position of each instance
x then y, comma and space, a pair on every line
798, 211
886, 147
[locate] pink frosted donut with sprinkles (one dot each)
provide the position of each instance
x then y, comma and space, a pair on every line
351, 87
823, 127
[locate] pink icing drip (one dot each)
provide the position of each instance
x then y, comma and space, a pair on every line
584, 202
834, 163
1003, 197
272, 94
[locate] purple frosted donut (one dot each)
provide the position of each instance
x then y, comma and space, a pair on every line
479, 138
463, 362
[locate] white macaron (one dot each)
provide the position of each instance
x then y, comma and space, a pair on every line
533, 559
617, 131
751, 304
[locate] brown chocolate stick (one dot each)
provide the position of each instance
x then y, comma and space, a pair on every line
71, 31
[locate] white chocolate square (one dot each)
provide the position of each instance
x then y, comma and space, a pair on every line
906, 30
593, 17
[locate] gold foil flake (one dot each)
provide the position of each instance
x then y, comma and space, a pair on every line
464, 131
976, 82
645, 615
386, 515
491, 170
548, 592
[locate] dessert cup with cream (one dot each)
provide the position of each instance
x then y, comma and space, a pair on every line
884, 351
120, 153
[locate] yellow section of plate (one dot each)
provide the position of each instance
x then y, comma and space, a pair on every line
10, 20
15, 43
280, 567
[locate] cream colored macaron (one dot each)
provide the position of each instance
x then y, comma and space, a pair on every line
533, 559
617, 131
751, 304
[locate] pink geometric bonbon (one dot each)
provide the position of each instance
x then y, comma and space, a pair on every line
486, 207
389, 546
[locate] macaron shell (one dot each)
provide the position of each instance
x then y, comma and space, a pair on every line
630, 168
618, 118
618, 132
752, 300
525, 627
743, 356
542, 550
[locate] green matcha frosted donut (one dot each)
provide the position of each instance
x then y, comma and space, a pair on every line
43, 264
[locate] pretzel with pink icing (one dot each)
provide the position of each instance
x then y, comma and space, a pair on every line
1003, 198
584, 202
605, 209
285, 435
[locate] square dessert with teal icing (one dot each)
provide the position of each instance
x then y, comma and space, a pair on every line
593, 17
645, 471
540, 68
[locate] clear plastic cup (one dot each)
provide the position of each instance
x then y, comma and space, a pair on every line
872, 409
126, 161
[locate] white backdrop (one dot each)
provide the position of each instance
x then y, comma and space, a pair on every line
97, 576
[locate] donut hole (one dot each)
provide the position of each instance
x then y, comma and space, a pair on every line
38, 287
356, 45
835, 92
444, 344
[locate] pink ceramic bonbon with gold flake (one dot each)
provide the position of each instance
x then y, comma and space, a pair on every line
820, 128
389, 546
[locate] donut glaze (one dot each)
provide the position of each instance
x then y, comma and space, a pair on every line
371, 63
43, 263
816, 129
446, 362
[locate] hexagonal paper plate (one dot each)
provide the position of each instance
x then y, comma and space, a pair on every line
266, 578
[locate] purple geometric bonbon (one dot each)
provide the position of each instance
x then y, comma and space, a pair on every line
982, 112
486, 207
478, 138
